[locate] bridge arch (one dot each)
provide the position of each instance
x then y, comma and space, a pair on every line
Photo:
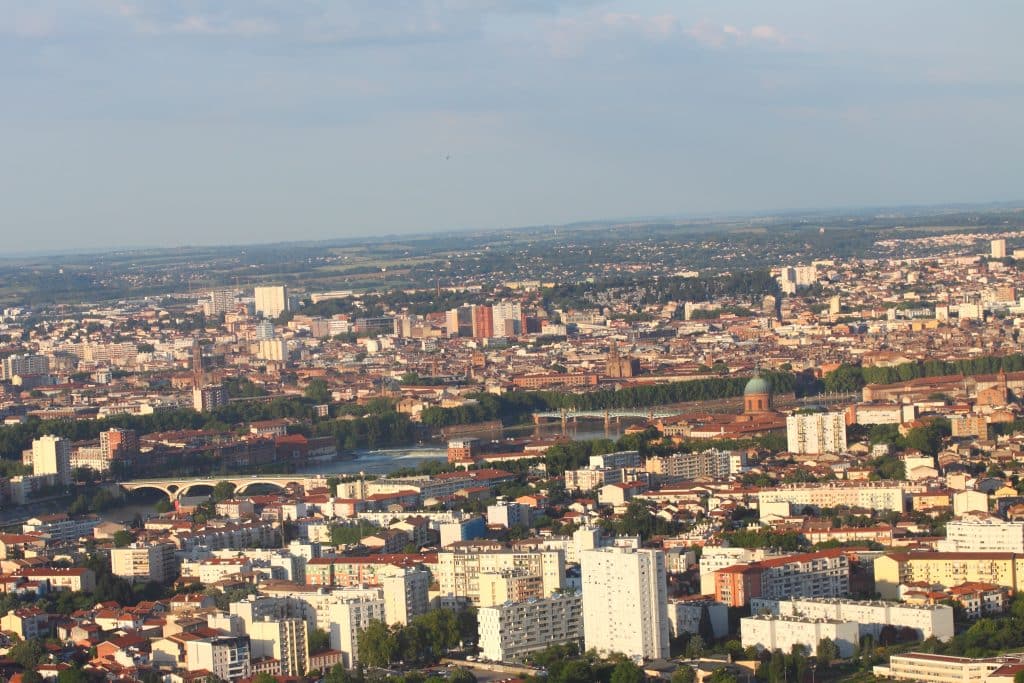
169, 491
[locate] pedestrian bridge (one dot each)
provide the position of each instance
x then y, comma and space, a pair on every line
175, 488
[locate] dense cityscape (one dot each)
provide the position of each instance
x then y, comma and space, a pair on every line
759, 461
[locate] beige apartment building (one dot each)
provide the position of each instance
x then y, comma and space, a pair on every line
144, 562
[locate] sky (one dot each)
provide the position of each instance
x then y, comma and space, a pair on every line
171, 122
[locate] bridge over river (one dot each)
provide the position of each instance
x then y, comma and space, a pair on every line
177, 487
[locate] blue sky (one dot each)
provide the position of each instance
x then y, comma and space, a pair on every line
130, 122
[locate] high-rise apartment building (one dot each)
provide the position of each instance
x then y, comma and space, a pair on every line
271, 301
483, 322
507, 318
999, 248
816, 433
625, 598
284, 640
209, 397
348, 619
458, 322
221, 301
118, 443
406, 595
480, 576
52, 455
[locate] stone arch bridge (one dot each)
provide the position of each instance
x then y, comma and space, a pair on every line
175, 488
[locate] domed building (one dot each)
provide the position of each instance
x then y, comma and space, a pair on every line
757, 395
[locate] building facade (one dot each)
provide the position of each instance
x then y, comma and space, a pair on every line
625, 598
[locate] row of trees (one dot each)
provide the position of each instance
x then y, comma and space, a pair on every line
847, 377
421, 642
515, 406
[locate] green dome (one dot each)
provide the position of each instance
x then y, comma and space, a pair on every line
757, 385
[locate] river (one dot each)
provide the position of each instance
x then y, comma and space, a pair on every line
365, 461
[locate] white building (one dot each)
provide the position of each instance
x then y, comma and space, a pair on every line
406, 595
684, 617
272, 349
536, 574
507, 319
52, 455
144, 562
983, 534
927, 668
863, 495
999, 248
715, 557
227, 657
271, 301
769, 632
870, 615
284, 640
348, 618
816, 433
624, 602
508, 514
508, 632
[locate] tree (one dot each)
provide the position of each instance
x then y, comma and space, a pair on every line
319, 641
461, 676
695, 648
223, 491
28, 653
30, 676
827, 652
627, 672
377, 645
1017, 677
163, 505
123, 538
72, 676
264, 678
317, 391
684, 674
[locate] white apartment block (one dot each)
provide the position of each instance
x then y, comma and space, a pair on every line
618, 460
870, 615
822, 574
271, 301
684, 617
625, 598
710, 463
981, 533
927, 668
144, 562
22, 365
816, 433
508, 632
715, 557
347, 619
508, 514
769, 632
60, 527
229, 658
284, 640
406, 595
52, 455
458, 573
867, 496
